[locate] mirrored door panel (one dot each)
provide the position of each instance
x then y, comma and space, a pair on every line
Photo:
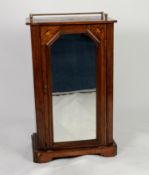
73, 58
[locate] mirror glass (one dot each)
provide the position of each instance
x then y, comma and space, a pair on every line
73, 61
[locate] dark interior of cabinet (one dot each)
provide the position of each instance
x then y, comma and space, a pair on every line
73, 63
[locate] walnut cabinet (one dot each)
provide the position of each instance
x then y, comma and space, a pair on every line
91, 36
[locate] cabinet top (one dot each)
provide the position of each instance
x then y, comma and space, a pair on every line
69, 18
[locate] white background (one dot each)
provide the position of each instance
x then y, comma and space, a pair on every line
131, 97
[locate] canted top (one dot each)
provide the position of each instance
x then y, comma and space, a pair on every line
69, 18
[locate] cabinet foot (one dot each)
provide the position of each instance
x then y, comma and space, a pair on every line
43, 156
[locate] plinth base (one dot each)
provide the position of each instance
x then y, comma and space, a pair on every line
42, 156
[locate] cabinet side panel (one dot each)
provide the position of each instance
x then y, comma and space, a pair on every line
109, 83
38, 87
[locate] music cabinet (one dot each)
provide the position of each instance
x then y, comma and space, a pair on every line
72, 61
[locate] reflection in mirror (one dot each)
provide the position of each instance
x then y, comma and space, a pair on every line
73, 58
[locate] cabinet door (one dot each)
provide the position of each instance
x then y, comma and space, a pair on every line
74, 85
